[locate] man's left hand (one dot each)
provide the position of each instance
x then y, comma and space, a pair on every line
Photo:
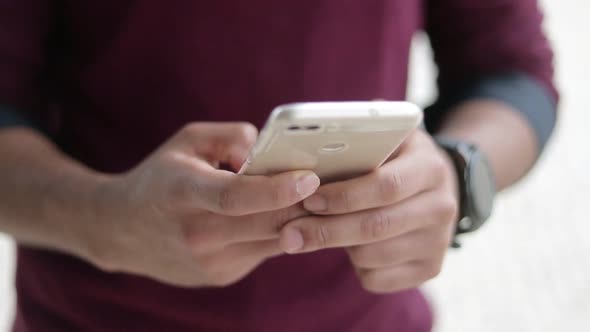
396, 223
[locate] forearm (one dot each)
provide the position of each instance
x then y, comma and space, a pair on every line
502, 134
46, 199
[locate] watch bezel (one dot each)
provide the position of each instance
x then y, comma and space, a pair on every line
467, 159
475, 165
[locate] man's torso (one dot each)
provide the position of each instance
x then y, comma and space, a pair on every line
131, 73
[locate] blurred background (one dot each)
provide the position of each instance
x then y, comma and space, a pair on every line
528, 269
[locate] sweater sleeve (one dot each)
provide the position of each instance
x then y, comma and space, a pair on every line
493, 49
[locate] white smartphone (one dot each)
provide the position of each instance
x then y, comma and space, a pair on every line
336, 140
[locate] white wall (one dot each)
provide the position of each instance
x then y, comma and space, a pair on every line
6, 281
528, 270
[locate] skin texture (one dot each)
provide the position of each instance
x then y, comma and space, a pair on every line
176, 209
396, 223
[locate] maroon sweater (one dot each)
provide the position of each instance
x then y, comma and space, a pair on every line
111, 80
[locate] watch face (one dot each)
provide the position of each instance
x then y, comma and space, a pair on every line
482, 187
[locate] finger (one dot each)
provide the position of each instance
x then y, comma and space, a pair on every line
260, 226
405, 276
417, 245
217, 141
222, 231
232, 194
410, 173
320, 232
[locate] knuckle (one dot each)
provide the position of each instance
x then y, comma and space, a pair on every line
190, 129
431, 270
439, 165
357, 254
245, 131
439, 239
448, 208
391, 183
386, 256
372, 281
375, 226
322, 235
345, 198
365, 257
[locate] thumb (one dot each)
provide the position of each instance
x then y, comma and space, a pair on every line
218, 142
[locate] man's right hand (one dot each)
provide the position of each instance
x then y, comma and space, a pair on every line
179, 219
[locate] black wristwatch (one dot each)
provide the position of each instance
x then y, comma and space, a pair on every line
476, 184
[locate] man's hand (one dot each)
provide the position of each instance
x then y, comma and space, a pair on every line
396, 223
178, 219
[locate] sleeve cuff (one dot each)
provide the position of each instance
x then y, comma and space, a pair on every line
525, 94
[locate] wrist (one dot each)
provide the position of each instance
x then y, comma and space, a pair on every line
104, 210
77, 212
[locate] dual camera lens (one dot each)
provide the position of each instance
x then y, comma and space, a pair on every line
307, 127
